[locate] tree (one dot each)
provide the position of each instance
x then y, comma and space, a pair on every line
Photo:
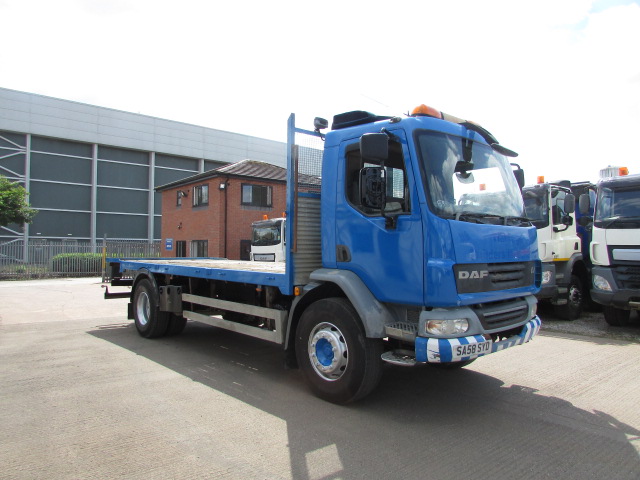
14, 207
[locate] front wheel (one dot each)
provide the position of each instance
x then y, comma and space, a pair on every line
575, 301
340, 364
616, 317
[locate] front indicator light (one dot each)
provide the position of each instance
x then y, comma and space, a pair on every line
447, 327
601, 283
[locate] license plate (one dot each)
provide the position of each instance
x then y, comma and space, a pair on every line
472, 349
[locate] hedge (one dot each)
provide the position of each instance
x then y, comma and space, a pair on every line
76, 263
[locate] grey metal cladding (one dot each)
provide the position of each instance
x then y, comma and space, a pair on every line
165, 176
60, 196
122, 201
61, 224
60, 169
181, 163
123, 175
123, 155
121, 226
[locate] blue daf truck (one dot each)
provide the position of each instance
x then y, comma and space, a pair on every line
407, 244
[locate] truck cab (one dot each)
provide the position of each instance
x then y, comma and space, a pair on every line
615, 247
268, 240
429, 216
565, 275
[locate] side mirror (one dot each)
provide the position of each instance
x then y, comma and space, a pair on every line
569, 203
320, 123
519, 174
374, 147
567, 220
584, 204
373, 187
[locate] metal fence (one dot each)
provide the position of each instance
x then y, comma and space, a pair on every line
46, 258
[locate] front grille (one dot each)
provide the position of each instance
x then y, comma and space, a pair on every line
488, 277
501, 314
508, 275
627, 276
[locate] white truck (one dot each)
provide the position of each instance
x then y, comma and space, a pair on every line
562, 244
268, 240
615, 245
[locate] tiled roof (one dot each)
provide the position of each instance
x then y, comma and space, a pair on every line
254, 168
243, 168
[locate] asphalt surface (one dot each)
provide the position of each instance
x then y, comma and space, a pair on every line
82, 396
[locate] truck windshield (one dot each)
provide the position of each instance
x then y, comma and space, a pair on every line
617, 208
467, 180
267, 233
536, 206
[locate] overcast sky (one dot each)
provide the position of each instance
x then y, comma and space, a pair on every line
556, 80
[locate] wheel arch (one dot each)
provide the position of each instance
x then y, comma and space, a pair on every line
141, 275
340, 283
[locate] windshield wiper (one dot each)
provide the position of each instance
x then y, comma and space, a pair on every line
500, 219
519, 219
476, 216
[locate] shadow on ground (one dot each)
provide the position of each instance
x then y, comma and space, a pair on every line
419, 423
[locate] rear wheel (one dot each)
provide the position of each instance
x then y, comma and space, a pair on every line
339, 362
176, 324
150, 322
616, 317
575, 301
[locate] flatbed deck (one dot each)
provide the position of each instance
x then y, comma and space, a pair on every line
258, 273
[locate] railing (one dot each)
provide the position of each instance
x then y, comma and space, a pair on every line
44, 258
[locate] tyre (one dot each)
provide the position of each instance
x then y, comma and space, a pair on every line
575, 301
616, 317
339, 363
150, 322
176, 325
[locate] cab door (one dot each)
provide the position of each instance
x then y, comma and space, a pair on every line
389, 259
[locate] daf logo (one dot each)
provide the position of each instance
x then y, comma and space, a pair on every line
464, 275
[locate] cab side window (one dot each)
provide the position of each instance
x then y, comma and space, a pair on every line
397, 192
558, 207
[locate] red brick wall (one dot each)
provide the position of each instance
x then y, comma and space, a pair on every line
208, 222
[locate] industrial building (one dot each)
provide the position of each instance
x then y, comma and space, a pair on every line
91, 171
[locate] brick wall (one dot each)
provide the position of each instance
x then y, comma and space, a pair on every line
207, 222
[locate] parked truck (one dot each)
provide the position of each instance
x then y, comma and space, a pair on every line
563, 244
268, 240
615, 245
406, 243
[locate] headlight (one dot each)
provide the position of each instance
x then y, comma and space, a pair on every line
601, 283
546, 276
447, 327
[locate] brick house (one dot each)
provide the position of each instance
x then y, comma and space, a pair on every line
210, 214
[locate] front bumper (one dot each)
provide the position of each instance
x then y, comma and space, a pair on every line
441, 350
623, 298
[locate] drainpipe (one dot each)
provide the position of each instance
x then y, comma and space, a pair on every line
224, 187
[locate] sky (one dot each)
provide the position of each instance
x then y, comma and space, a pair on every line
556, 81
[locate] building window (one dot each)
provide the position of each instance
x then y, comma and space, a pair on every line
200, 195
181, 248
199, 248
256, 195
179, 196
